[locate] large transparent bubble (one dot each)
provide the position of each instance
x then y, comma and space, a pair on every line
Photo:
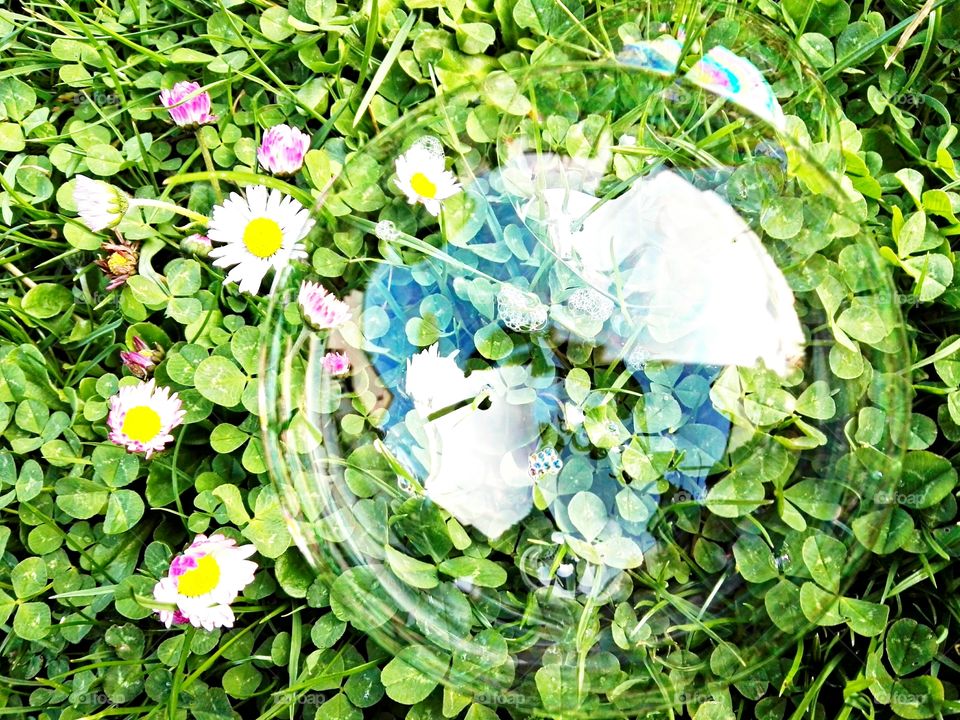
624, 396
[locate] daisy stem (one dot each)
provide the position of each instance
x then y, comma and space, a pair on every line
163, 205
208, 161
474, 402
15, 271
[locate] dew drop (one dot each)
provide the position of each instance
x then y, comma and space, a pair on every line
386, 231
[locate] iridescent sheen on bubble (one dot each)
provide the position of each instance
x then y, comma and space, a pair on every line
739, 80
721, 71
660, 56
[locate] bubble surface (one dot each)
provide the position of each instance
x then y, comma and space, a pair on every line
605, 398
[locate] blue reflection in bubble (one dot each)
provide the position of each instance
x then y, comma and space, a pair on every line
695, 435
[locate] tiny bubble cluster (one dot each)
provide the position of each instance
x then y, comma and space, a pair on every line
520, 311
593, 304
545, 462
637, 359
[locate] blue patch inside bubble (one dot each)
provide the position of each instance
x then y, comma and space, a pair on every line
658, 56
699, 437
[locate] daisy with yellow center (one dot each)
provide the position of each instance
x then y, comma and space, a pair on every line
255, 232
142, 417
422, 177
203, 582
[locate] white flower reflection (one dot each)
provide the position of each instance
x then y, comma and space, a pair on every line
479, 443
705, 288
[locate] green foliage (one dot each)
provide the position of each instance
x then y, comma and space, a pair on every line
87, 529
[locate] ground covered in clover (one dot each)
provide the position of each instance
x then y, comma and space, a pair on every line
146, 568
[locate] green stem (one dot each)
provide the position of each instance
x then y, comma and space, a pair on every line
163, 205
471, 401
178, 678
15, 271
208, 161
811, 695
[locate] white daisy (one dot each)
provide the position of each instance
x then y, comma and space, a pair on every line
99, 204
142, 417
422, 178
203, 581
256, 232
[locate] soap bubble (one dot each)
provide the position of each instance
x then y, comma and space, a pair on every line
604, 401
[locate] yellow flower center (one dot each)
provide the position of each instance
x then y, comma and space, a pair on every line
263, 237
201, 579
141, 423
120, 264
422, 186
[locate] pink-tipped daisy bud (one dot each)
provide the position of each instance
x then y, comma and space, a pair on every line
142, 359
336, 364
283, 149
321, 310
197, 245
100, 205
188, 106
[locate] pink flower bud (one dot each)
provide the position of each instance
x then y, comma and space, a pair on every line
187, 105
321, 310
283, 149
197, 245
336, 363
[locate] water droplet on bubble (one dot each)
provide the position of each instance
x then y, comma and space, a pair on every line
430, 144
386, 231
637, 359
